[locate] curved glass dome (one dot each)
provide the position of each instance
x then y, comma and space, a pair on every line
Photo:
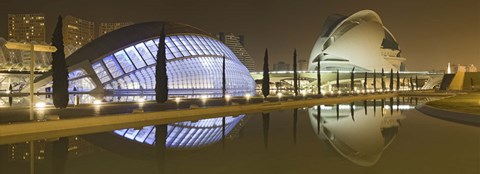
123, 62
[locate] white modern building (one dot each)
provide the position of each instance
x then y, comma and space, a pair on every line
122, 63
360, 40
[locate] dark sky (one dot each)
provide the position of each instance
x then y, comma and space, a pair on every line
430, 32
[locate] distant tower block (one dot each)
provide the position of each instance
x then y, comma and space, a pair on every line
449, 71
237, 45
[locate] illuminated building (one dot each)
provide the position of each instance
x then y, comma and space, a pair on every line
77, 31
360, 40
108, 27
123, 61
237, 45
27, 27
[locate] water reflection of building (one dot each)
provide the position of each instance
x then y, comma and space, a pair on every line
358, 134
77, 147
187, 134
141, 142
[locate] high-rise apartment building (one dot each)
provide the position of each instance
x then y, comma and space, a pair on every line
27, 27
77, 31
281, 66
237, 45
108, 27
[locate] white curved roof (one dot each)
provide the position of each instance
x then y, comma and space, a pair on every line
356, 40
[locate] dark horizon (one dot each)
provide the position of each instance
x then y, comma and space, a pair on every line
430, 34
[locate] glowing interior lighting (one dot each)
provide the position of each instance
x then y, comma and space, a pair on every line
141, 100
40, 104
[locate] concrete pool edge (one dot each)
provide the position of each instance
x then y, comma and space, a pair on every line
471, 119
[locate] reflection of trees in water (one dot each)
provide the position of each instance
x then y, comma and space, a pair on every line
265, 126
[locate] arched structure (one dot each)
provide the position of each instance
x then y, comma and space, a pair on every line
359, 41
123, 62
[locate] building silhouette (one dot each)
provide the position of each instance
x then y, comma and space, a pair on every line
77, 31
237, 45
27, 27
108, 27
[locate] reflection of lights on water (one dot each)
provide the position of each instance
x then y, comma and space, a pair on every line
40, 105
403, 107
345, 107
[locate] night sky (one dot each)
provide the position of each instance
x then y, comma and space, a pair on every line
430, 33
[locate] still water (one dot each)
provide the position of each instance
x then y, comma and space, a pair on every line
381, 136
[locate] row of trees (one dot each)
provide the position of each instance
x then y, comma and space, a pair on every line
266, 78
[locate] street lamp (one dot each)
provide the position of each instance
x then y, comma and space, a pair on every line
32, 48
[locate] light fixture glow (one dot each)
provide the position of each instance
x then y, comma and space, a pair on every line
40, 105
279, 95
97, 102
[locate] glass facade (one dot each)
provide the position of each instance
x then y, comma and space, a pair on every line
185, 134
194, 67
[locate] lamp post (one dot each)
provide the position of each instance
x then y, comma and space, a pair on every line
32, 48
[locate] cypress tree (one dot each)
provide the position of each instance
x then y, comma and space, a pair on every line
161, 85
266, 76
224, 81
391, 80
338, 81
416, 82
295, 75
383, 80
59, 68
319, 78
398, 81
411, 83
352, 83
365, 83
374, 81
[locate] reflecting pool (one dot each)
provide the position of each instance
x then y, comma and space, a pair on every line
378, 136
